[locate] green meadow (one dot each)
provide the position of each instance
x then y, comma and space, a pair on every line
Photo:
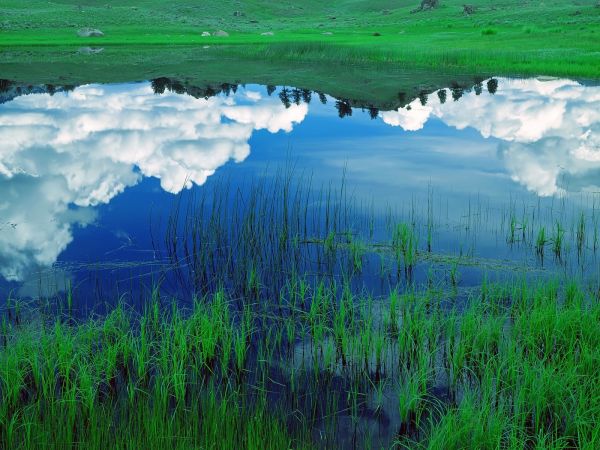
142, 38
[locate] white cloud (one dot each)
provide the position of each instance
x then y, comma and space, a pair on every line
86, 147
412, 119
550, 128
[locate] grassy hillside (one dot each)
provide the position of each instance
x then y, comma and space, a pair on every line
554, 37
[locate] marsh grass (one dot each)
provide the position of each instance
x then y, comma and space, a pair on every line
282, 342
557, 240
519, 360
540, 242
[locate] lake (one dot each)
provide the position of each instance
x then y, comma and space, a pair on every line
85, 170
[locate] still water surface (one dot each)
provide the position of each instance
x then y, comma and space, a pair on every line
85, 171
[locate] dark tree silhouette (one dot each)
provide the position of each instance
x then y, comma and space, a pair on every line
423, 98
322, 98
492, 86
373, 112
176, 86
5, 85
344, 108
297, 96
284, 96
51, 89
457, 92
306, 96
226, 88
271, 89
209, 92
478, 88
442, 95
163, 84
159, 85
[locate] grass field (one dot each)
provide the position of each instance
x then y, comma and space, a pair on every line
508, 37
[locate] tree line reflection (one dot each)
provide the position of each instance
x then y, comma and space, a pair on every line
287, 95
290, 95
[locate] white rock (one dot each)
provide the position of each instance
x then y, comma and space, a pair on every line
90, 32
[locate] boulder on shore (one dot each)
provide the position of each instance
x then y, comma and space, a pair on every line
205, 33
427, 5
221, 33
90, 32
469, 9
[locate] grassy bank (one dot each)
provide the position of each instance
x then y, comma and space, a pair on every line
503, 38
516, 368
382, 85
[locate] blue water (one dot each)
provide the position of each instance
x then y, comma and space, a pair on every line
86, 174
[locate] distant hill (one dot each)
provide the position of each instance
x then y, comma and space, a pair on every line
248, 15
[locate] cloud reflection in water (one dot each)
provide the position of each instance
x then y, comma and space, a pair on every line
550, 129
62, 155
84, 148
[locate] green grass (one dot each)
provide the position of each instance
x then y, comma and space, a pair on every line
515, 373
146, 39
